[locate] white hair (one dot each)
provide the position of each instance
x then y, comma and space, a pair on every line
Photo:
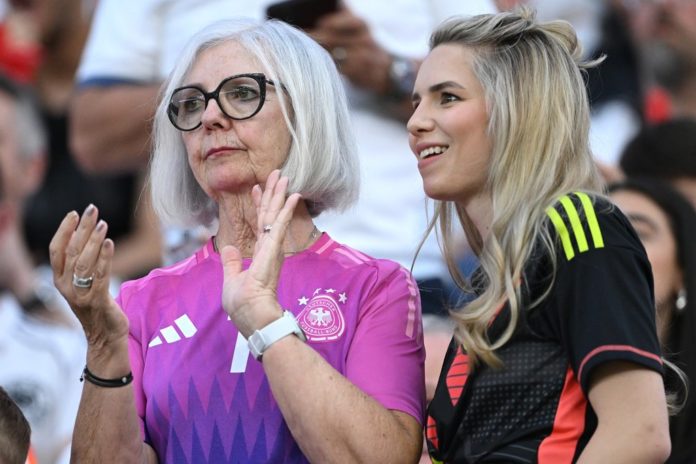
322, 163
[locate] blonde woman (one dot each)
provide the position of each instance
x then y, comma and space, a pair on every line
556, 360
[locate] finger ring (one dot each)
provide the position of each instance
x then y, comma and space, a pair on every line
339, 53
267, 228
82, 282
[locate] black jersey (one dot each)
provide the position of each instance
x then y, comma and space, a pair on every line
599, 308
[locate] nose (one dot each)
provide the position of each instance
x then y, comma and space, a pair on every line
213, 116
420, 121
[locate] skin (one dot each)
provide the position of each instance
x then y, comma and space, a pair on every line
235, 163
652, 225
450, 111
366, 64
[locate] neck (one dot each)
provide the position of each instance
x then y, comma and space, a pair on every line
238, 227
480, 212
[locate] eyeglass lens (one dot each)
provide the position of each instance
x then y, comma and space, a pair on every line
238, 97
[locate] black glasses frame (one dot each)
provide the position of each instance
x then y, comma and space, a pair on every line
260, 78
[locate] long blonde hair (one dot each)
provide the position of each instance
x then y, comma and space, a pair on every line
538, 110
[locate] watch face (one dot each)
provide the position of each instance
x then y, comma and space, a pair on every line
402, 75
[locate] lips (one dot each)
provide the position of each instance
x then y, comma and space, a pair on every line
214, 151
432, 151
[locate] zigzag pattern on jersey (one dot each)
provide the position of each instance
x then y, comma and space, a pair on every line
579, 223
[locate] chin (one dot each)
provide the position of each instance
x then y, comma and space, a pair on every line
437, 194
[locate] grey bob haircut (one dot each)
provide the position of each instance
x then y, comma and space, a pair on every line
322, 163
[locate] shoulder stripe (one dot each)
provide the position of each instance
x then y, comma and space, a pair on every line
624, 348
562, 232
350, 255
575, 223
325, 247
591, 219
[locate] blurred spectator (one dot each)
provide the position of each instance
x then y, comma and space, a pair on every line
60, 28
666, 224
665, 32
666, 151
133, 45
42, 351
14, 432
20, 54
614, 86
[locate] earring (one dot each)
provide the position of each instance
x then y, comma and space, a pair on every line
681, 300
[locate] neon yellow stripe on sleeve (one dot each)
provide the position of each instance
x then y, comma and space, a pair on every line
575, 223
562, 232
591, 219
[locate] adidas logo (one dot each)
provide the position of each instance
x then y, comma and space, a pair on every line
170, 334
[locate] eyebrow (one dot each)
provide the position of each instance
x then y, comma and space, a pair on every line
438, 87
642, 219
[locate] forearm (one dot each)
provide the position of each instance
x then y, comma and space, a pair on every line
331, 419
111, 127
632, 422
624, 447
107, 429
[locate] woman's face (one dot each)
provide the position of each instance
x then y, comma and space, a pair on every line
448, 131
226, 155
652, 225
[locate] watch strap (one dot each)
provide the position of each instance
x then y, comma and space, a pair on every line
263, 338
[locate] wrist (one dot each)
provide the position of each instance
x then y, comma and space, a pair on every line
109, 361
402, 77
262, 339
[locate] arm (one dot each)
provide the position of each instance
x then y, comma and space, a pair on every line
107, 423
333, 420
110, 127
631, 409
362, 60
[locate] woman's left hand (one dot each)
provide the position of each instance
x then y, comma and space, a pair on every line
249, 297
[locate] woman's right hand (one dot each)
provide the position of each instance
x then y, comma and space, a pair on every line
80, 249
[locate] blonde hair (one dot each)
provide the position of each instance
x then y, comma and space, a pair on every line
538, 110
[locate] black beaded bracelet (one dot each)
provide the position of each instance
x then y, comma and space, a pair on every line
107, 383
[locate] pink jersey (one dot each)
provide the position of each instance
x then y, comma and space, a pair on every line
201, 395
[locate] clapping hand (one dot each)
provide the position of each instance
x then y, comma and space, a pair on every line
81, 258
249, 296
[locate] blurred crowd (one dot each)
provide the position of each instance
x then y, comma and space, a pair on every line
76, 104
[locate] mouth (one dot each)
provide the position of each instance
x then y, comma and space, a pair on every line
432, 151
214, 151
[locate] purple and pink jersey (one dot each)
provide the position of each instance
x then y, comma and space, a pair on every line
203, 398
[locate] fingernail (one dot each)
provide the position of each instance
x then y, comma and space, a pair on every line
90, 209
101, 225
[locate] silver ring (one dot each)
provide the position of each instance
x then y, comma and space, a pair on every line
267, 228
82, 282
339, 54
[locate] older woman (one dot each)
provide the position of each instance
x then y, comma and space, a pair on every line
556, 360
273, 343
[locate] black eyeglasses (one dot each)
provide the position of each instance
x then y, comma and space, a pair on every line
239, 97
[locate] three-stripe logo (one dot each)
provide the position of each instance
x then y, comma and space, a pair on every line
170, 334
577, 225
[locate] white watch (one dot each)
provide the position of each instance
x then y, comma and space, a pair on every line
261, 339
